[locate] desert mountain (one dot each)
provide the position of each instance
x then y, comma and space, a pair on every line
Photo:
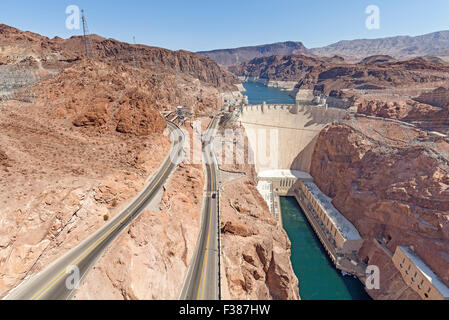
401, 47
18, 46
325, 74
430, 46
229, 57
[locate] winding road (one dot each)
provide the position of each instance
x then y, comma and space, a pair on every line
57, 282
202, 280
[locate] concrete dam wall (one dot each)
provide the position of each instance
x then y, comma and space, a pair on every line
284, 136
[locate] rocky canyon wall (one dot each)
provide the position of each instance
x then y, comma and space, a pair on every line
392, 183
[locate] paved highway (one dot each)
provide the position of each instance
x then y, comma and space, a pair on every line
202, 280
57, 281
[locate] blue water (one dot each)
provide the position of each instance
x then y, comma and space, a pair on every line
258, 93
318, 277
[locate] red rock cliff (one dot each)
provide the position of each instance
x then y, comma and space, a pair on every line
392, 183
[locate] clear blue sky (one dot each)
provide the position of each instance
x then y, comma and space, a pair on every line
210, 24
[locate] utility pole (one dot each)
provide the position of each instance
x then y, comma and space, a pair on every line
87, 43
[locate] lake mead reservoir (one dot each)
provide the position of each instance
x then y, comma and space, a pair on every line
257, 93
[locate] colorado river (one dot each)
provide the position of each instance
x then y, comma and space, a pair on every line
318, 277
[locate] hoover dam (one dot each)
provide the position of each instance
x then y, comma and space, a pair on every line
290, 131
282, 138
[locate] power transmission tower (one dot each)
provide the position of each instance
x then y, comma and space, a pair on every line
87, 43
136, 53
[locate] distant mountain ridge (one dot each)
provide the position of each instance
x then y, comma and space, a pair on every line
400, 47
229, 57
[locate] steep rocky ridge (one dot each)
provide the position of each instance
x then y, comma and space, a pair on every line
325, 75
402, 47
392, 183
428, 47
50, 54
230, 57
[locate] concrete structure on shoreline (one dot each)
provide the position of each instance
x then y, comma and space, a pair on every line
418, 276
338, 236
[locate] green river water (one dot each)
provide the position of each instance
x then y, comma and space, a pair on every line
318, 277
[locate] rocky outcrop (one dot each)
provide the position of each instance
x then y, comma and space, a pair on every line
102, 96
426, 116
137, 115
255, 250
392, 183
299, 68
437, 98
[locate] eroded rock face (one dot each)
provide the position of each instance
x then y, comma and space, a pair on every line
56, 53
392, 183
438, 97
137, 115
433, 116
324, 75
255, 250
